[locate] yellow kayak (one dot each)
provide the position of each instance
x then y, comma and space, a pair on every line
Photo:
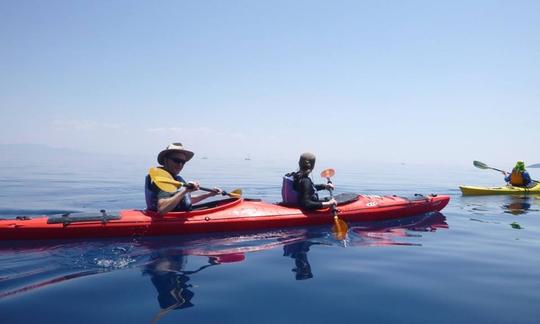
504, 190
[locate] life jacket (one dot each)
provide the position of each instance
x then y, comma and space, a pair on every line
289, 192
516, 178
151, 192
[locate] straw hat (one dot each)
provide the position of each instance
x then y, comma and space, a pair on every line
174, 147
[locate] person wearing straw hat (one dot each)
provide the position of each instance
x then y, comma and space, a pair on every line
172, 160
519, 177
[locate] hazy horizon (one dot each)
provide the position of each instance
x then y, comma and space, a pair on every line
38, 154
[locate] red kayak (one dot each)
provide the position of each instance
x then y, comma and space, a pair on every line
218, 216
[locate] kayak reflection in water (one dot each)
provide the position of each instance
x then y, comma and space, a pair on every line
169, 277
298, 251
517, 205
519, 177
388, 233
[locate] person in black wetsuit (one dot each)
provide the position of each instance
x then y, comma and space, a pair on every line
307, 191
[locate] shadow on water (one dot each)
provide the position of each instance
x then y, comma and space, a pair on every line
164, 259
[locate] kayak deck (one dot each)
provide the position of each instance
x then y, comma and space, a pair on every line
219, 216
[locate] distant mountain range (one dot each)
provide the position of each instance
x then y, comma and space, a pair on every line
37, 151
537, 165
40, 152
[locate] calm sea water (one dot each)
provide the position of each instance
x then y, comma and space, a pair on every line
476, 262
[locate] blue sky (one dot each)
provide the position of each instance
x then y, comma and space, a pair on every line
398, 81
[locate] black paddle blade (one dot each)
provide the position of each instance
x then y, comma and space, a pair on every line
480, 165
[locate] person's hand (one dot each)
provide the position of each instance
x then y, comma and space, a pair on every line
330, 202
192, 186
216, 191
330, 186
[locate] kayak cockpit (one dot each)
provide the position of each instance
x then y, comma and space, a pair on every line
204, 208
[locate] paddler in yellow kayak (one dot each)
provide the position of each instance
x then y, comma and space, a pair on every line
519, 177
172, 159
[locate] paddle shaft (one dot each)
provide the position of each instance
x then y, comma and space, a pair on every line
206, 189
181, 184
334, 209
224, 193
497, 170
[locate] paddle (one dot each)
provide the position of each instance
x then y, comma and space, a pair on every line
484, 166
340, 228
166, 182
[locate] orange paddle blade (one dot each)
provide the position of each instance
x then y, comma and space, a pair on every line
340, 229
328, 173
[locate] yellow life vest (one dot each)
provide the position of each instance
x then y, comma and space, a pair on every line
516, 178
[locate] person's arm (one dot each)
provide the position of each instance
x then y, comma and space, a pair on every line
165, 205
526, 177
198, 198
305, 200
324, 186
507, 178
